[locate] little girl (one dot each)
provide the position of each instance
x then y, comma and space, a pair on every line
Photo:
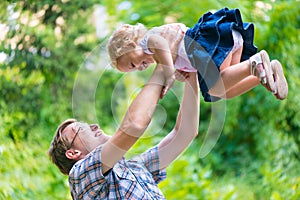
219, 48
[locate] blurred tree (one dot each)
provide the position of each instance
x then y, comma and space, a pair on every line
42, 49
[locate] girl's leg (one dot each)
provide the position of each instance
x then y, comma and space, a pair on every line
230, 76
258, 65
252, 81
227, 62
236, 56
242, 87
232, 59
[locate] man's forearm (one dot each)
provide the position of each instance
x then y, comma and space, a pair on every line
142, 108
186, 127
135, 121
189, 119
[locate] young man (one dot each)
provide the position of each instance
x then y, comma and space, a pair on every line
95, 161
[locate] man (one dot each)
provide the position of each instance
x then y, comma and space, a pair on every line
95, 161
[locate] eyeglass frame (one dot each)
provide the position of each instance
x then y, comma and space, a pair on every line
72, 142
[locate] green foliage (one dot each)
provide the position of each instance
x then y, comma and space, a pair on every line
49, 47
26, 172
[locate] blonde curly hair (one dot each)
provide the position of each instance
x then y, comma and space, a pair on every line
123, 40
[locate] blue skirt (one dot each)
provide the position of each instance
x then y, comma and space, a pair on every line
209, 42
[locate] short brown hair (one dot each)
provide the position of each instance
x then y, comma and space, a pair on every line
58, 148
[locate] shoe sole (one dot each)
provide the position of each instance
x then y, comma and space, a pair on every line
281, 83
267, 67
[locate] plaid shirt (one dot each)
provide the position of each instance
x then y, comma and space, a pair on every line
136, 178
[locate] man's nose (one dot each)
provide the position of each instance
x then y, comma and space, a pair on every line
94, 127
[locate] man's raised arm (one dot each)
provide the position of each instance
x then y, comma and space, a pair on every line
136, 120
186, 127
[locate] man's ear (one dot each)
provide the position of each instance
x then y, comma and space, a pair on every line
73, 154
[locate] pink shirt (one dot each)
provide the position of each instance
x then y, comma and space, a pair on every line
182, 62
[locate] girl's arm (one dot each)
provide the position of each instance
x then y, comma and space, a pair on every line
186, 127
163, 56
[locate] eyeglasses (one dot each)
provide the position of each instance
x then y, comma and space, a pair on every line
75, 137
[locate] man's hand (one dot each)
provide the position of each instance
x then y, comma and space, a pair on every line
181, 75
168, 84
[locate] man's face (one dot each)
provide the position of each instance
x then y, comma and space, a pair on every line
84, 137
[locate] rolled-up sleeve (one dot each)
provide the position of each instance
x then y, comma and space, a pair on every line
151, 162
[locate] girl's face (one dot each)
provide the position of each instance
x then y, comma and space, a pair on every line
134, 60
